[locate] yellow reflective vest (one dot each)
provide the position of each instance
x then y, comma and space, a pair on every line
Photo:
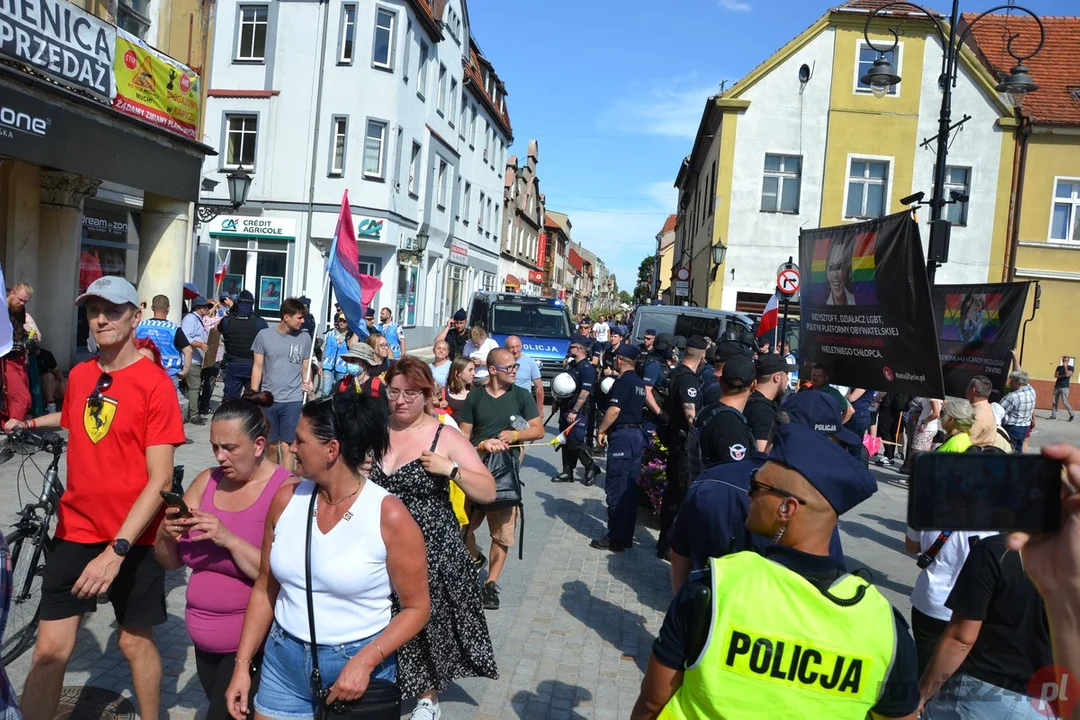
778, 647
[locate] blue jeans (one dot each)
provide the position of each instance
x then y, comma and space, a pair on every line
285, 685
967, 698
330, 379
1017, 433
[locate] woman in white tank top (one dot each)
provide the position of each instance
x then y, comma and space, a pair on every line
365, 546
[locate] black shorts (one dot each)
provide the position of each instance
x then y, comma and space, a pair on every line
137, 594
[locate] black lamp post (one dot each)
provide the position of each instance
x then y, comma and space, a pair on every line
239, 182
882, 75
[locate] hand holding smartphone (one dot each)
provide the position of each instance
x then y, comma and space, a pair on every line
176, 500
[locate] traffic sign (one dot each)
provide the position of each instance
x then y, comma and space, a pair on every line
787, 280
682, 273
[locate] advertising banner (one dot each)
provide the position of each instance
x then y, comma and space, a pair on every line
977, 327
866, 311
155, 88
62, 41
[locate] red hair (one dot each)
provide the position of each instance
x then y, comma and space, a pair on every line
416, 372
148, 344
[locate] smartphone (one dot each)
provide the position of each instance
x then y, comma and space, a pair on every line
176, 500
983, 491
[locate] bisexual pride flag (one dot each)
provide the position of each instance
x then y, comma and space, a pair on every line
353, 289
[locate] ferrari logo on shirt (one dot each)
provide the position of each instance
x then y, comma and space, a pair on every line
98, 417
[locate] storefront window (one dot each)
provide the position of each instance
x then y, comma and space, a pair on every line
488, 282
408, 278
260, 267
110, 246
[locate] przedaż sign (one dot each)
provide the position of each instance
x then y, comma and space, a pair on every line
60, 40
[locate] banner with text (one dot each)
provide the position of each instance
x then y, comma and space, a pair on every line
977, 327
155, 88
66, 43
867, 312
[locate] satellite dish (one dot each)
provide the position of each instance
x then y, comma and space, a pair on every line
804, 73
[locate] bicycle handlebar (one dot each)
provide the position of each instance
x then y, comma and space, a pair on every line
49, 442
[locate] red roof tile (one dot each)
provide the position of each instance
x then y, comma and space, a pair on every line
669, 224
575, 260
1055, 69
549, 223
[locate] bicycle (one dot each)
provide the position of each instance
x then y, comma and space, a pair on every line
30, 534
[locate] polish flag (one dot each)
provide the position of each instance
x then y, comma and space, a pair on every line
769, 318
219, 273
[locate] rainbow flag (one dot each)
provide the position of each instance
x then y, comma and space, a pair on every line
862, 283
971, 317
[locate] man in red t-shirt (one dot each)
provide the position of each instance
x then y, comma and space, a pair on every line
123, 422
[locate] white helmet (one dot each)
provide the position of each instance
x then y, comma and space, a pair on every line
605, 385
563, 385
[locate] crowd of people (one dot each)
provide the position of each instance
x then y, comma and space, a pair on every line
338, 525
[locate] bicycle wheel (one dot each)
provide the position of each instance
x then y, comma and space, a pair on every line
28, 555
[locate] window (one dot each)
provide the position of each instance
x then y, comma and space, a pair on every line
780, 186
712, 186
496, 225
421, 84
1065, 220
464, 111
398, 149
440, 99
348, 34
489, 206
472, 126
241, 133
440, 193
480, 217
382, 53
466, 203
337, 149
414, 169
374, 148
453, 102
867, 189
957, 179
867, 56
251, 37
133, 16
408, 52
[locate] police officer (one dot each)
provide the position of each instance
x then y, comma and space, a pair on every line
654, 372
791, 634
773, 372
683, 403
456, 333
720, 433
622, 431
605, 363
717, 356
574, 414
647, 340
238, 331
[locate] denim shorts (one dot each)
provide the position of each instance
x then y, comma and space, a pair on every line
283, 418
285, 685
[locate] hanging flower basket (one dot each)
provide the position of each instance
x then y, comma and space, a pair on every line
653, 478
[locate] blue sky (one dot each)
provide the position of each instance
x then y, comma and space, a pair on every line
613, 92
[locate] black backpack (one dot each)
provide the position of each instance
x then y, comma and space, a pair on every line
695, 460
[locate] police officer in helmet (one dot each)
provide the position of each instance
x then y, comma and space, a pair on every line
621, 429
574, 414
788, 634
654, 371
238, 331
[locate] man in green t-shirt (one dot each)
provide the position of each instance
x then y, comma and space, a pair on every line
495, 416
819, 380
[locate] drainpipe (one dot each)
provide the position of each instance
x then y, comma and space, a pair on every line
1023, 134
324, 4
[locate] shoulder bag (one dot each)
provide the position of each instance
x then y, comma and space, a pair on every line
381, 700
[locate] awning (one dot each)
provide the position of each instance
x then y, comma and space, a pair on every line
512, 280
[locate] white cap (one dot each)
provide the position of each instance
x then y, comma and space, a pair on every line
114, 289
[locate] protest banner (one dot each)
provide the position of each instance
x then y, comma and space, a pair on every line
155, 88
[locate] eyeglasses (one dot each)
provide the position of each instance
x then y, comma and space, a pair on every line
756, 486
509, 369
410, 395
97, 399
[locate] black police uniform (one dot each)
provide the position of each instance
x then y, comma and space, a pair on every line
626, 444
683, 388
575, 449
238, 331
456, 340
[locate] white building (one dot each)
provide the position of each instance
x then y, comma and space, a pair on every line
385, 100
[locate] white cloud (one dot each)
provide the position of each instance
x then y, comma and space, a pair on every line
735, 5
669, 108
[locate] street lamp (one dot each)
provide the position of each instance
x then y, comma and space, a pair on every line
882, 75
239, 182
718, 252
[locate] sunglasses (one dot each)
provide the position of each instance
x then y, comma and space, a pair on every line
756, 486
509, 369
97, 399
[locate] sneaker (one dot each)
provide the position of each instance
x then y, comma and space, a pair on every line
479, 560
883, 461
426, 710
489, 596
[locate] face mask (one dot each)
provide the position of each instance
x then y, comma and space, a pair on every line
352, 368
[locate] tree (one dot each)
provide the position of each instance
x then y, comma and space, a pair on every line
626, 298
644, 289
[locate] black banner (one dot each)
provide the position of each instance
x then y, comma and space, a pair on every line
866, 308
977, 326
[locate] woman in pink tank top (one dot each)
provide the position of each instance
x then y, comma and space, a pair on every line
221, 541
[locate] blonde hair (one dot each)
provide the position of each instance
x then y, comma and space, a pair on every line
23, 286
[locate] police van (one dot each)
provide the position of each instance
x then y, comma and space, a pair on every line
688, 321
543, 324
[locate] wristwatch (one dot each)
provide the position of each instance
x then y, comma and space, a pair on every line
121, 546
455, 472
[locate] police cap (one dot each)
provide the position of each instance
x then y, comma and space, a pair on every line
580, 340
819, 412
840, 478
245, 296
650, 333
460, 315
627, 350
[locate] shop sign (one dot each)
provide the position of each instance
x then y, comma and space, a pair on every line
369, 229
254, 227
62, 41
535, 276
459, 253
95, 225
155, 88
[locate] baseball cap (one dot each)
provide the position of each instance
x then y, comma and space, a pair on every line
245, 296
200, 301
727, 350
650, 333
697, 342
359, 350
113, 289
819, 412
627, 350
770, 363
460, 314
841, 479
739, 369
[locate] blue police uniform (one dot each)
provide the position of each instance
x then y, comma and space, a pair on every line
575, 449
626, 444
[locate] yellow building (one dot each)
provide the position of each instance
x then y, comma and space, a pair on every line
665, 254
